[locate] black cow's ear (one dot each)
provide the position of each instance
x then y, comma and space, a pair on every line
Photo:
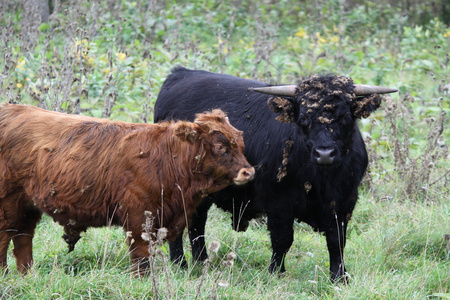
284, 107
186, 132
362, 107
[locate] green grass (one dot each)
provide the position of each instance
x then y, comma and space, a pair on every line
394, 251
110, 61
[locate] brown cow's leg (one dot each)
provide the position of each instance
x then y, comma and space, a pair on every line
10, 211
139, 255
5, 238
23, 239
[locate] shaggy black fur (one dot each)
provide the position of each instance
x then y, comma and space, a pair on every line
307, 150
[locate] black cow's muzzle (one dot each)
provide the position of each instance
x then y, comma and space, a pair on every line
325, 156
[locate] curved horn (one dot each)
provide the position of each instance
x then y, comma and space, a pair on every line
279, 90
289, 90
362, 90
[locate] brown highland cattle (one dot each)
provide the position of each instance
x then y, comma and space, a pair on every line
87, 172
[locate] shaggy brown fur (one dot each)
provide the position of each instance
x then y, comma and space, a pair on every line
87, 172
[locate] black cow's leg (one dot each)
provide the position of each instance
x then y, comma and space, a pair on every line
176, 251
282, 236
336, 238
196, 236
197, 232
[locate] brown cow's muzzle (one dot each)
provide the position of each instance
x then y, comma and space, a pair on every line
244, 175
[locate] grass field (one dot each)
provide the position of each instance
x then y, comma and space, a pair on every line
109, 58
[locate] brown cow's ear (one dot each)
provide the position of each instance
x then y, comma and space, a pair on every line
283, 107
203, 127
363, 106
186, 132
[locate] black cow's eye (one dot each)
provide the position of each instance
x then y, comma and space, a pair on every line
304, 120
347, 119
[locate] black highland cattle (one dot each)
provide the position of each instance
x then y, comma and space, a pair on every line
304, 143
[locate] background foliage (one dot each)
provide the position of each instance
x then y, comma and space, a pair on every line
109, 58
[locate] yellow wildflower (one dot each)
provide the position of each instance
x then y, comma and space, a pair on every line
334, 39
21, 64
80, 48
335, 29
121, 56
84, 42
221, 45
320, 39
447, 34
301, 33
19, 85
246, 45
89, 59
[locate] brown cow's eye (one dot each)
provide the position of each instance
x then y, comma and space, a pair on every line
220, 149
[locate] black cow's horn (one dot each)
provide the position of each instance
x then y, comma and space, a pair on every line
279, 90
362, 90
289, 90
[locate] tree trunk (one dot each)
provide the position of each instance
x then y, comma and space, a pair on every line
44, 9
